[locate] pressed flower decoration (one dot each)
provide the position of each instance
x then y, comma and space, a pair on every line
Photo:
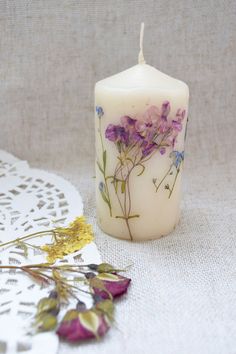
137, 140
102, 283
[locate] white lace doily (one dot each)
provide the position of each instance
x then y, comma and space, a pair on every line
31, 200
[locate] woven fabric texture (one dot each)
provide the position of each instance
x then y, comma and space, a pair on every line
183, 294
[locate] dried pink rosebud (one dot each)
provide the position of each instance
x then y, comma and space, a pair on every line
78, 326
108, 285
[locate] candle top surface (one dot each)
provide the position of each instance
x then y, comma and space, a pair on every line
142, 76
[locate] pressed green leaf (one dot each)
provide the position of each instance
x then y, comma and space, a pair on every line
116, 185
100, 167
123, 185
133, 216
104, 157
104, 197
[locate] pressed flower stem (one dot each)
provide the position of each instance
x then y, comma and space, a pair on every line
126, 207
176, 176
158, 186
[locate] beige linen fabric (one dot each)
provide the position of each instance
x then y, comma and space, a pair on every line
182, 299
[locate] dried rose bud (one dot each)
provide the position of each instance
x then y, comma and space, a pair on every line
107, 285
77, 326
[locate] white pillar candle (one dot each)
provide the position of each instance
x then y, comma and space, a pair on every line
140, 123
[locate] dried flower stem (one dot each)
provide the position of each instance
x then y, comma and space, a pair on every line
158, 186
34, 271
34, 235
176, 176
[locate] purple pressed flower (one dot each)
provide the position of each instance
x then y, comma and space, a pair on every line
148, 149
127, 122
116, 133
135, 137
78, 326
165, 110
112, 284
152, 114
111, 132
180, 114
99, 111
162, 150
176, 125
123, 135
164, 126
150, 131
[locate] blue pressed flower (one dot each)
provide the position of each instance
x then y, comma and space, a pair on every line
101, 186
178, 158
99, 111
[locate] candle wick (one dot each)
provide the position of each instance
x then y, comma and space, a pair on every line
141, 59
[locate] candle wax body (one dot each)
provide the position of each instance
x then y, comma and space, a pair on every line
135, 173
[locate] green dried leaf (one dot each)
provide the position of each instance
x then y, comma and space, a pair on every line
90, 321
46, 322
123, 185
104, 197
46, 305
108, 277
107, 308
104, 157
70, 315
116, 185
100, 167
105, 268
98, 284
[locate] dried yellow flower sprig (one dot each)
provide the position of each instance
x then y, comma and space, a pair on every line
66, 240
69, 239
